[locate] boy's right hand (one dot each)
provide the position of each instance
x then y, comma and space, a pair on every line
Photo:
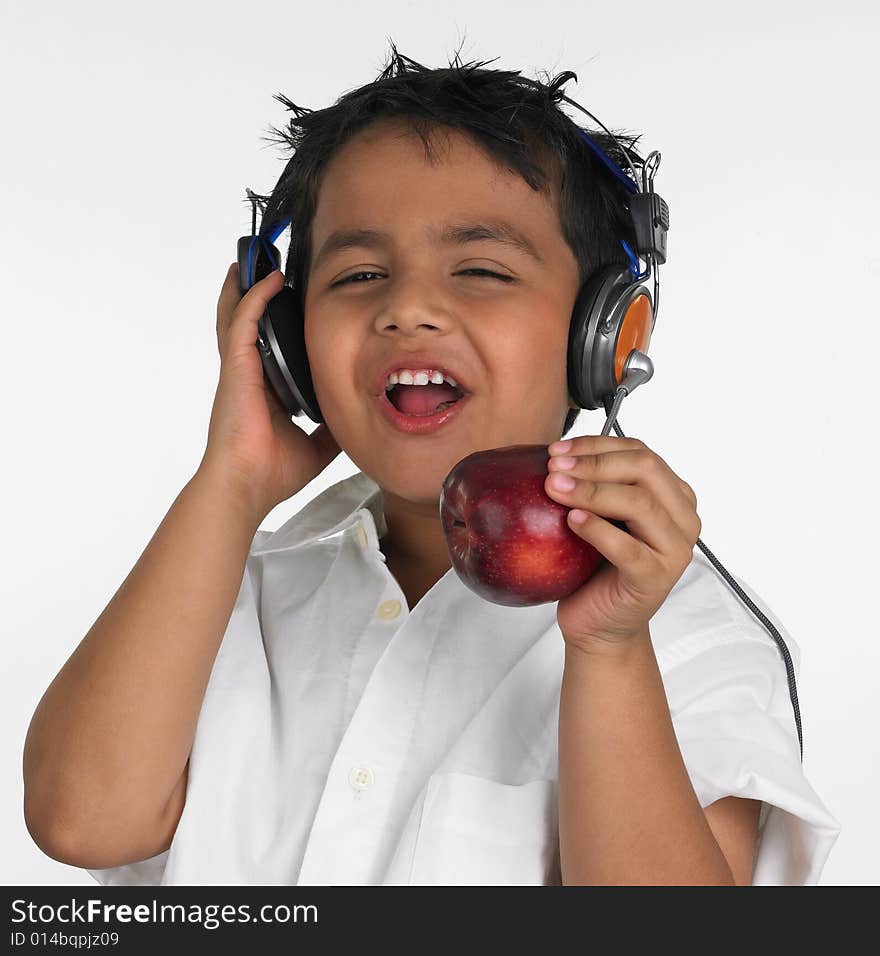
252, 441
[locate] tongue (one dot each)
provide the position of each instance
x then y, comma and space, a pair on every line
422, 399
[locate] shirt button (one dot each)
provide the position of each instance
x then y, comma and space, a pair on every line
388, 610
360, 777
362, 536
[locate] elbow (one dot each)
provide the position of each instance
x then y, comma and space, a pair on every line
50, 834
96, 846
49, 827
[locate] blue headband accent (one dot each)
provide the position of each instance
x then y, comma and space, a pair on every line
277, 230
266, 242
634, 263
615, 170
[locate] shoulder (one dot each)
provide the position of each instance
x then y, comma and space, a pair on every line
704, 611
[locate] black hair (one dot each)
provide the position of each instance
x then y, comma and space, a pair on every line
517, 120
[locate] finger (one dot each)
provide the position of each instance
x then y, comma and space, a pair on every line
689, 492
644, 514
230, 296
592, 444
604, 444
238, 326
624, 551
638, 466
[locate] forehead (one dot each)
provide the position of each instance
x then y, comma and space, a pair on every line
383, 179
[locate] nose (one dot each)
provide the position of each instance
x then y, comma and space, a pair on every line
410, 304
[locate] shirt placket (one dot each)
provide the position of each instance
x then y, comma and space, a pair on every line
349, 836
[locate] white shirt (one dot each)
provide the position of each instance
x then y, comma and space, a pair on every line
346, 739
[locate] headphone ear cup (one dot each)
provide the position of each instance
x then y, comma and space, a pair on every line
281, 329
283, 352
611, 316
585, 316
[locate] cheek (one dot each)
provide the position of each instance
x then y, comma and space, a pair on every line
315, 351
329, 363
535, 366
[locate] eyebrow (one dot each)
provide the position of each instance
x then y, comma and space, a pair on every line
457, 233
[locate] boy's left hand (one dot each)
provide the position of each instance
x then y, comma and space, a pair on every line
621, 478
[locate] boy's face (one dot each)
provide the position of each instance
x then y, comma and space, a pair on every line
507, 339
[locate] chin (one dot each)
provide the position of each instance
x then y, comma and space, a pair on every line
423, 488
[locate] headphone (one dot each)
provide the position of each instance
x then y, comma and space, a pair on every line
609, 334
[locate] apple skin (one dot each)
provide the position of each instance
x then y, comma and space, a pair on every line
509, 542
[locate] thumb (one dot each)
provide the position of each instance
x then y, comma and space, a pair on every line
242, 322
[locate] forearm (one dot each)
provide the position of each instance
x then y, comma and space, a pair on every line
628, 813
111, 735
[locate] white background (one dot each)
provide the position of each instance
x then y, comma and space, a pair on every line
131, 131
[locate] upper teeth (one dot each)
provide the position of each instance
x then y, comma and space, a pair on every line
406, 376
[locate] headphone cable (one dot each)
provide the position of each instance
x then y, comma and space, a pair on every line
611, 408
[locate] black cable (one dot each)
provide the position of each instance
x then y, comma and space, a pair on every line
786, 656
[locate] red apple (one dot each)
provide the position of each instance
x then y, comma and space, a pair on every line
508, 540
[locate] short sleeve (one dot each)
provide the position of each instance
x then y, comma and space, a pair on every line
232, 668
734, 721
142, 873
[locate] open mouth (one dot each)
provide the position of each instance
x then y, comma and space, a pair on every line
420, 414
423, 400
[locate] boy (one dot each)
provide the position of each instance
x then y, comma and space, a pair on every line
328, 703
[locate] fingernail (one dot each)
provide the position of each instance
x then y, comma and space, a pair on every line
558, 447
562, 482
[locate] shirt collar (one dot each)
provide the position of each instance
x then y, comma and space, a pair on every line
334, 511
